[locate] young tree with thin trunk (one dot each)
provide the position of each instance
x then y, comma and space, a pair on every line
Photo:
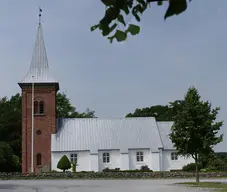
194, 132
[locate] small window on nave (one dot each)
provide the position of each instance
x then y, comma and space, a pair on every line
139, 156
174, 156
106, 157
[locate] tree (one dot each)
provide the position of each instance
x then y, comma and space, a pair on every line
64, 163
160, 112
8, 161
117, 10
66, 110
194, 132
10, 127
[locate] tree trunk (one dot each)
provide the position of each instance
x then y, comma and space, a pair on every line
196, 168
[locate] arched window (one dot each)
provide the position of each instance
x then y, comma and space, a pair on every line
36, 107
39, 159
41, 107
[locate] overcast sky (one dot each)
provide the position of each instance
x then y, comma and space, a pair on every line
155, 67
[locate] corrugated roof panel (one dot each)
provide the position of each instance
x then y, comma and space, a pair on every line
164, 130
97, 134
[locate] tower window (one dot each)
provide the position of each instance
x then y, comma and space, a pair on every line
39, 159
41, 107
36, 107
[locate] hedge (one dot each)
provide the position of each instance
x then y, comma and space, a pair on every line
109, 175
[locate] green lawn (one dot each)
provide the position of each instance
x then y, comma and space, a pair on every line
221, 187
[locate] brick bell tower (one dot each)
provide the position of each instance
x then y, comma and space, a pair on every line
39, 90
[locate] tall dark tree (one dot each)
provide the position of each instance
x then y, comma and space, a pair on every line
194, 132
9, 162
117, 10
10, 126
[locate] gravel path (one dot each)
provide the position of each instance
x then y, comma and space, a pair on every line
155, 185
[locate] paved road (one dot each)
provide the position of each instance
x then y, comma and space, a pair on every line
96, 186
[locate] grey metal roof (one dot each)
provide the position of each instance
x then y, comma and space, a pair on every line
164, 130
39, 71
103, 134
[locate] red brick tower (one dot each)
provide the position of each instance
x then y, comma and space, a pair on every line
40, 88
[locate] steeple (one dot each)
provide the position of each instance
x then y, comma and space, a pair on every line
39, 72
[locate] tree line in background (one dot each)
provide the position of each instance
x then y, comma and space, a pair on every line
194, 132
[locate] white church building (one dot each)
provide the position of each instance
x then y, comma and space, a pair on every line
94, 143
125, 143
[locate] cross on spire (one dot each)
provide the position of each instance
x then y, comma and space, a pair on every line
40, 11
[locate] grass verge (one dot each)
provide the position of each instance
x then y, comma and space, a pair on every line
215, 186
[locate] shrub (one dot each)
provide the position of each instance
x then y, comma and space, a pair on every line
73, 167
144, 168
64, 163
106, 169
191, 167
218, 164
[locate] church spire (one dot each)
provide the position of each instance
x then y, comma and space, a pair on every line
39, 71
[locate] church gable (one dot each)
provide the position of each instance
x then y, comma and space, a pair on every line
164, 130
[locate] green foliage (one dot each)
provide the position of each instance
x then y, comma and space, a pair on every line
191, 167
194, 131
73, 167
8, 161
64, 163
66, 110
160, 112
10, 128
117, 10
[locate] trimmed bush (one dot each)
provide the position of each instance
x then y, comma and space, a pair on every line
191, 167
64, 163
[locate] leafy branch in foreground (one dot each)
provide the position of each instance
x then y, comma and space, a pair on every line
118, 10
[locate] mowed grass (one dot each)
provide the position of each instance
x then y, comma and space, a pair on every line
217, 186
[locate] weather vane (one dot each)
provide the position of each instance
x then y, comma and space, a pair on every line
40, 11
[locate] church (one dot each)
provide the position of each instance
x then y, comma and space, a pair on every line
93, 143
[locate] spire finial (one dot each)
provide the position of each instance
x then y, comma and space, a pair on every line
40, 11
